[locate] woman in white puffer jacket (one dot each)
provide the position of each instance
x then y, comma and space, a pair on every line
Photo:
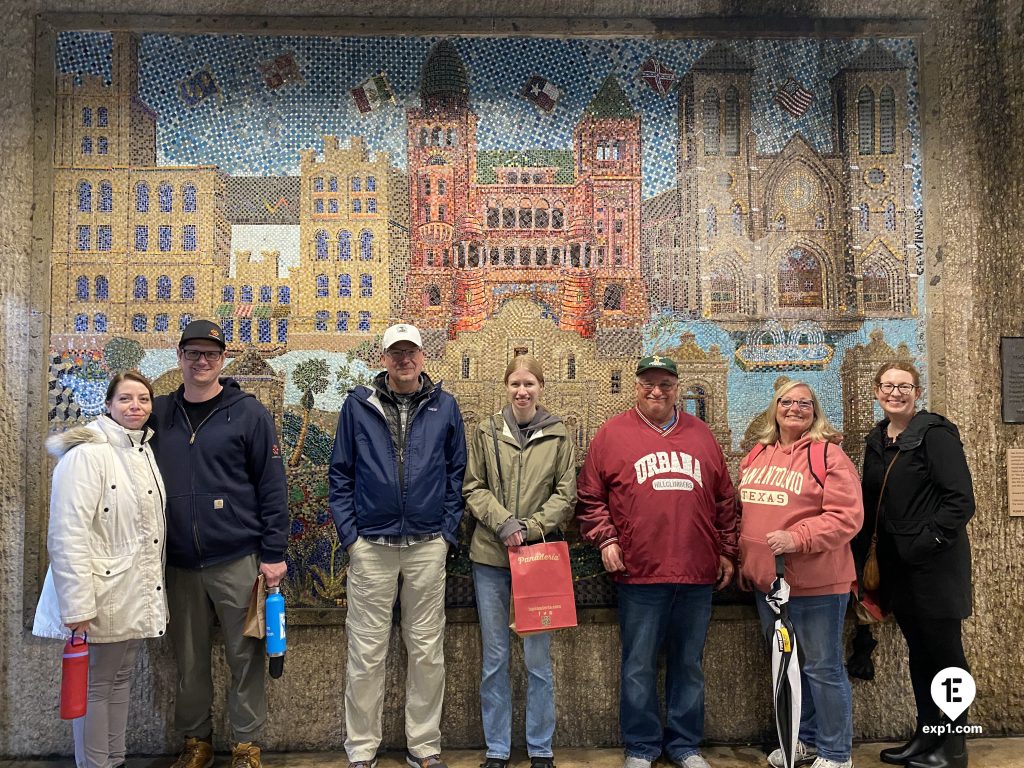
106, 548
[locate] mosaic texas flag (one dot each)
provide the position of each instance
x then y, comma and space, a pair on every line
373, 93
541, 92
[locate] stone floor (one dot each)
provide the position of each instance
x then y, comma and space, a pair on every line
984, 753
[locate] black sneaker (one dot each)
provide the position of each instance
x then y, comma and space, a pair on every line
542, 762
494, 762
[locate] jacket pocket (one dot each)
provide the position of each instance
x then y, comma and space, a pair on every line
916, 541
111, 581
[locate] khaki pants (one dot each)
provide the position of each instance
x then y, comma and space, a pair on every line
100, 733
193, 597
372, 586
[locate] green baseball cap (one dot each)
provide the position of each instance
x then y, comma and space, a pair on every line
654, 362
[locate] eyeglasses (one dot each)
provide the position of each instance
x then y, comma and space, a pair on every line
904, 389
803, 405
664, 386
402, 354
211, 355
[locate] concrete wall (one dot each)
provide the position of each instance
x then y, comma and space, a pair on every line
972, 79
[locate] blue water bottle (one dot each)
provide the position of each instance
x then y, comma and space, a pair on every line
276, 644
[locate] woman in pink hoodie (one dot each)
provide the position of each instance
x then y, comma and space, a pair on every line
801, 498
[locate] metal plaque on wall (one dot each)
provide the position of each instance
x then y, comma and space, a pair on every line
1011, 350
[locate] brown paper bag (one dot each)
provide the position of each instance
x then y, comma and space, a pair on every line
256, 615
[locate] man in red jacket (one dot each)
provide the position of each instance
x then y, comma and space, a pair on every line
656, 497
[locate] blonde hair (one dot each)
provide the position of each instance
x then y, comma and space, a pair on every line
820, 428
526, 363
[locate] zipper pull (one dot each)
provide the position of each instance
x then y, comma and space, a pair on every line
192, 440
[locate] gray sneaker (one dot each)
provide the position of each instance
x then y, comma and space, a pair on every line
805, 754
695, 760
636, 762
821, 762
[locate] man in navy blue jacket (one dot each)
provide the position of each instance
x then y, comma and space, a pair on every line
227, 520
396, 497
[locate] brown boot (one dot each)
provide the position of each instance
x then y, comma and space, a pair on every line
245, 754
197, 753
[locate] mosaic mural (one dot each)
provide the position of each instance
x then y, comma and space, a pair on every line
751, 208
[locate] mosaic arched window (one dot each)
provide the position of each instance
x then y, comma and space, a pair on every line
356, 183
245, 330
732, 122
612, 298
432, 296
84, 239
318, 183
102, 288
163, 237
163, 288
228, 294
284, 294
106, 204
344, 245
366, 286
322, 286
695, 402
557, 218
87, 150
263, 330
332, 184
436, 137
886, 121
266, 294
245, 295
711, 225
142, 197
889, 216
866, 121
282, 330
161, 322
723, 291
141, 290
800, 280
81, 323
139, 323
102, 145
423, 137
341, 322
188, 288
371, 183
737, 219
864, 217
364, 321
188, 238
82, 288
188, 199
366, 245
99, 322
228, 326
164, 197
449, 137
321, 319
493, 217
711, 129
344, 286
184, 320
84, 197
102, 117
876, 287
87, 117
321, 244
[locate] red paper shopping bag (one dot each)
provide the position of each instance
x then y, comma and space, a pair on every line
542, 596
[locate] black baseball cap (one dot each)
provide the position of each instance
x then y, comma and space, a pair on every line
202, 329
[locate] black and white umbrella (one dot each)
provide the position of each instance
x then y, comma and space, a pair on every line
785, 667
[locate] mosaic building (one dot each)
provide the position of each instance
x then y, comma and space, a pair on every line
560, 227
794, 235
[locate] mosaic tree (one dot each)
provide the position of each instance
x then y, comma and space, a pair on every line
310, 376
121, 354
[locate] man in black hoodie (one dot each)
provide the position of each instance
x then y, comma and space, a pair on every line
227, 520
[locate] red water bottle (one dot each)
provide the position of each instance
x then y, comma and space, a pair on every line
74, 678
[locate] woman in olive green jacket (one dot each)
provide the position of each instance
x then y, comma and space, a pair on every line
520, 485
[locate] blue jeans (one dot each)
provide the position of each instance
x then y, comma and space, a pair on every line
826, 698
676, 617
493, 591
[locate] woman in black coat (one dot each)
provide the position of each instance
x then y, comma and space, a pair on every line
924, 556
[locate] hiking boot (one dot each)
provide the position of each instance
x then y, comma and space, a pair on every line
245, 754
430, 761
197, 753
805, 754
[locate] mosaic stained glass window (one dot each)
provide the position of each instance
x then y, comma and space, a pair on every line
364, 321
344, 286
165, 197
106, 204
188, 288
84, 238
82, 288
99, 322
141, 290
188, 199
800, 280
162, 322
142, 197
102, 289
341, 322
163, 288
84, 197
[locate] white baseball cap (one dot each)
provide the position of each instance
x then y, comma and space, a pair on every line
401, 332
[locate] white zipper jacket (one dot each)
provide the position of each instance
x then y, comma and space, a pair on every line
106, 536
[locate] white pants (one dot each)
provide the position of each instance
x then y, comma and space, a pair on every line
373, 576
100, 732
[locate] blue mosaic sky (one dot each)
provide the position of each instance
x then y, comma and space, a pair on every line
251, 130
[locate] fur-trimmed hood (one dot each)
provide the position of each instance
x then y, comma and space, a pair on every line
102, 430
